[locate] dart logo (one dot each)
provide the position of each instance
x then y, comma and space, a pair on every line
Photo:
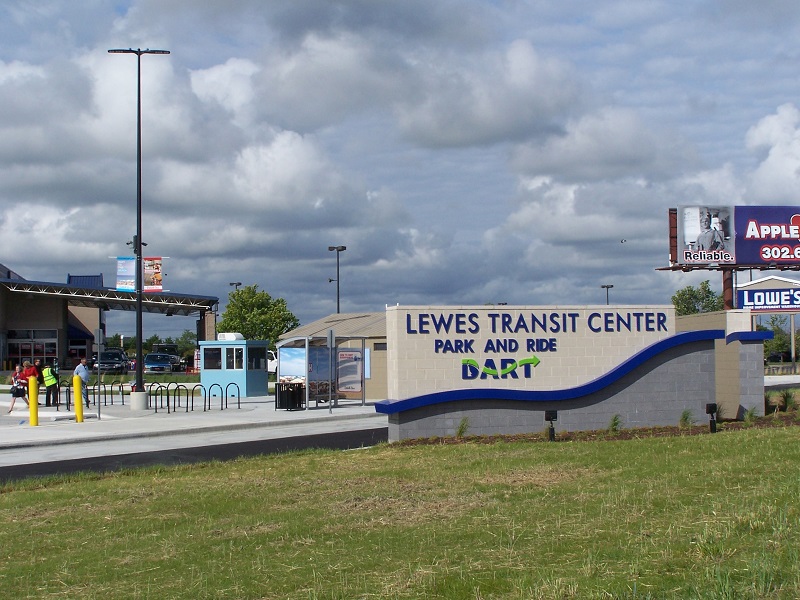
509, 368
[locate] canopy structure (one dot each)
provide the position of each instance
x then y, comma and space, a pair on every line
110, 299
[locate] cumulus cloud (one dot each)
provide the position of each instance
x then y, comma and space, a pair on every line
611, 143
463, 151
776, 137
498, 96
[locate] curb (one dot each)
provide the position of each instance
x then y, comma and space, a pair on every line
105, 437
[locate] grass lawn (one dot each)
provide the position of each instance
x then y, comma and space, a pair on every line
703, 516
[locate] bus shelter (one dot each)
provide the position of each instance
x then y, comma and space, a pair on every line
334, 370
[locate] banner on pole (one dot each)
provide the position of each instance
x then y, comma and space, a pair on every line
126, 273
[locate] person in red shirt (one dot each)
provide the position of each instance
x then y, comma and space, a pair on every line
28, 371
17, 389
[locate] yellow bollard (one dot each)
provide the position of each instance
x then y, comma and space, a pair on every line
77, 394
33, 400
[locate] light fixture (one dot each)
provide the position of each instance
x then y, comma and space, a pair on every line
235, 285
337, 249
606, 287
137, 239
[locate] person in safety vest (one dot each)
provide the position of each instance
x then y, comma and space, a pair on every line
50, 376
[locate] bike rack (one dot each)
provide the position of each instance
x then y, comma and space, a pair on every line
210, 395
238, 395
68, 385
177, 401
160, 389
121, 385
205, 395
96, 388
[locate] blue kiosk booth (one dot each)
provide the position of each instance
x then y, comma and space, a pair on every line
234, 365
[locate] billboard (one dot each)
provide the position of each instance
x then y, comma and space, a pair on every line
738, 236
706, 235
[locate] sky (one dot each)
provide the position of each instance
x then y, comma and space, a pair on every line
464, 151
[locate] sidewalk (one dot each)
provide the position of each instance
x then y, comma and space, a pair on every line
120, 430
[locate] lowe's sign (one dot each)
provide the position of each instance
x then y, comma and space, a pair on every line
769, 300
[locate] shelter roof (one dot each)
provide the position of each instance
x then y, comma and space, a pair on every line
345, 325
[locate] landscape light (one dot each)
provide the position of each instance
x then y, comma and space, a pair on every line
711, 411
551, 415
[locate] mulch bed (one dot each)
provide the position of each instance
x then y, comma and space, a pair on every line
781, 419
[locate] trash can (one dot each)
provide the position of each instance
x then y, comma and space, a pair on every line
282, 395
290, 396
298, 392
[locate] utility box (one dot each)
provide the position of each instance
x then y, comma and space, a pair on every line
235, 361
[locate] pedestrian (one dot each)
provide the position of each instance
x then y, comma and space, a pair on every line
82, 371
17, 388
50, 377
28, 371
37, 364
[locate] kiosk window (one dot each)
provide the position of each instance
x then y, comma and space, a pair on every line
256, 359
212, 358
234, 358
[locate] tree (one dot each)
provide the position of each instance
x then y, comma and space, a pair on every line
256, 315
114, 341
780, 342
187, 342
691, 300
148, 344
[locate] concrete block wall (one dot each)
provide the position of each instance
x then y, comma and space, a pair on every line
751, 378
655, 393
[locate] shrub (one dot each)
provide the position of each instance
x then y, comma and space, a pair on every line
770, 402
615, 424
751, 415
687, 419
463, 426
787, 400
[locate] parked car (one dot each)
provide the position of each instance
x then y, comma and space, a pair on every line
779, 357
176, 362
111, 361
157, 363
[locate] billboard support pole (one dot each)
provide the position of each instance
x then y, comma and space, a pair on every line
727, 288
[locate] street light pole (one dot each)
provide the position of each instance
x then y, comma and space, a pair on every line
606, 287
338, 249
137, 240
